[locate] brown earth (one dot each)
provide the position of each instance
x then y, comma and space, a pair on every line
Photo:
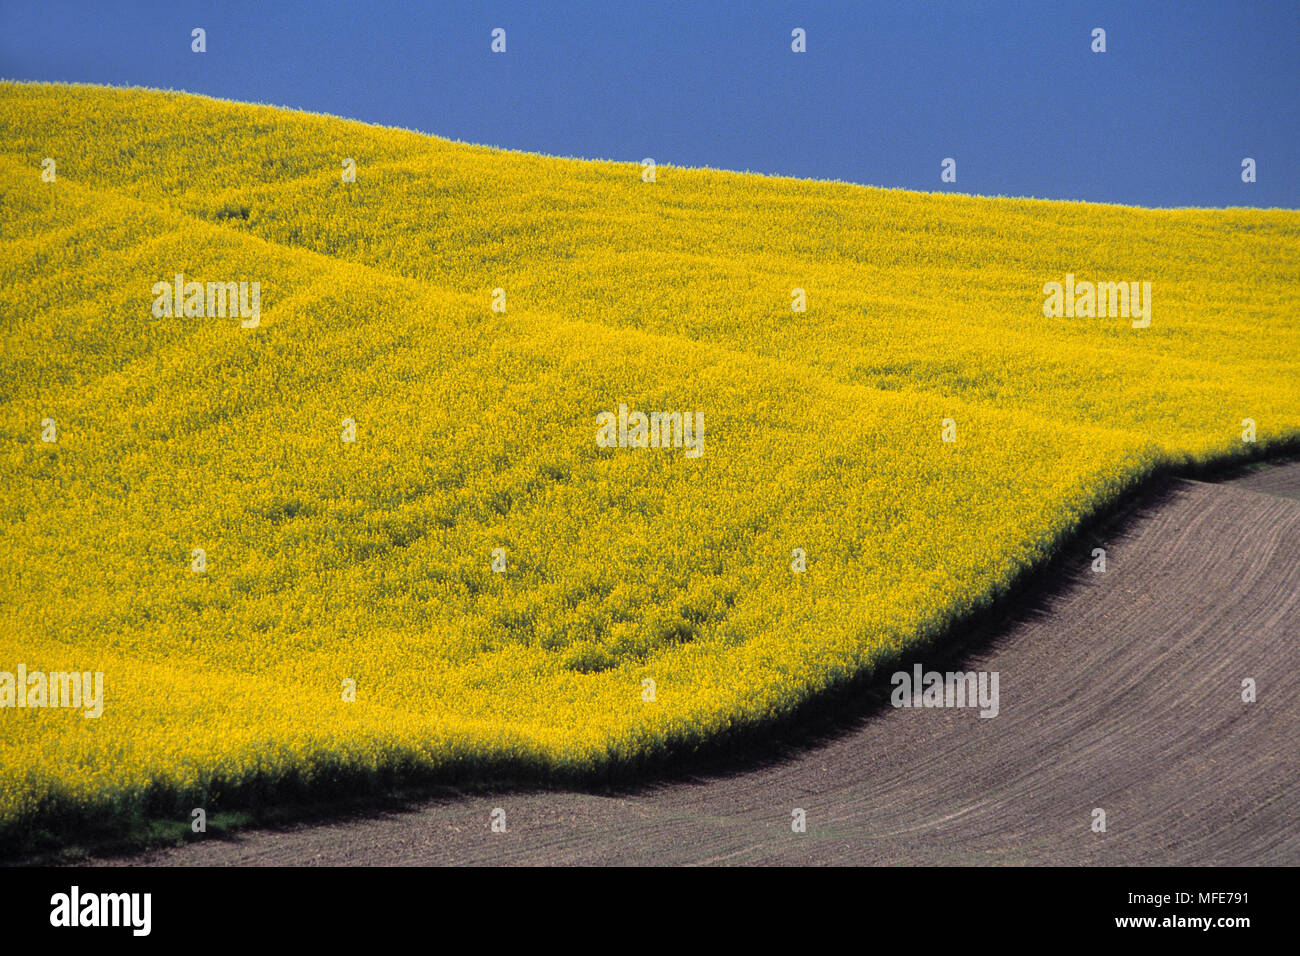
1120, 691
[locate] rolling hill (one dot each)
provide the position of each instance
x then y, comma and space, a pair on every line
502, 595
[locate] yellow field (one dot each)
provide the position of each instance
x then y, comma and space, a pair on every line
371, 561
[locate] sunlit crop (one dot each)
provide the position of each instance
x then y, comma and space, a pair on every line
371, 561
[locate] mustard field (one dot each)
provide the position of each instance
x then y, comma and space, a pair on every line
395, 514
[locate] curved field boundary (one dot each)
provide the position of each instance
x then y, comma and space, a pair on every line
1119, 691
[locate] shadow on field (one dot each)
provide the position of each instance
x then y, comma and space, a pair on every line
1033, 599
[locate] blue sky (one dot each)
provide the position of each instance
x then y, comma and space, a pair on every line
1012, 91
